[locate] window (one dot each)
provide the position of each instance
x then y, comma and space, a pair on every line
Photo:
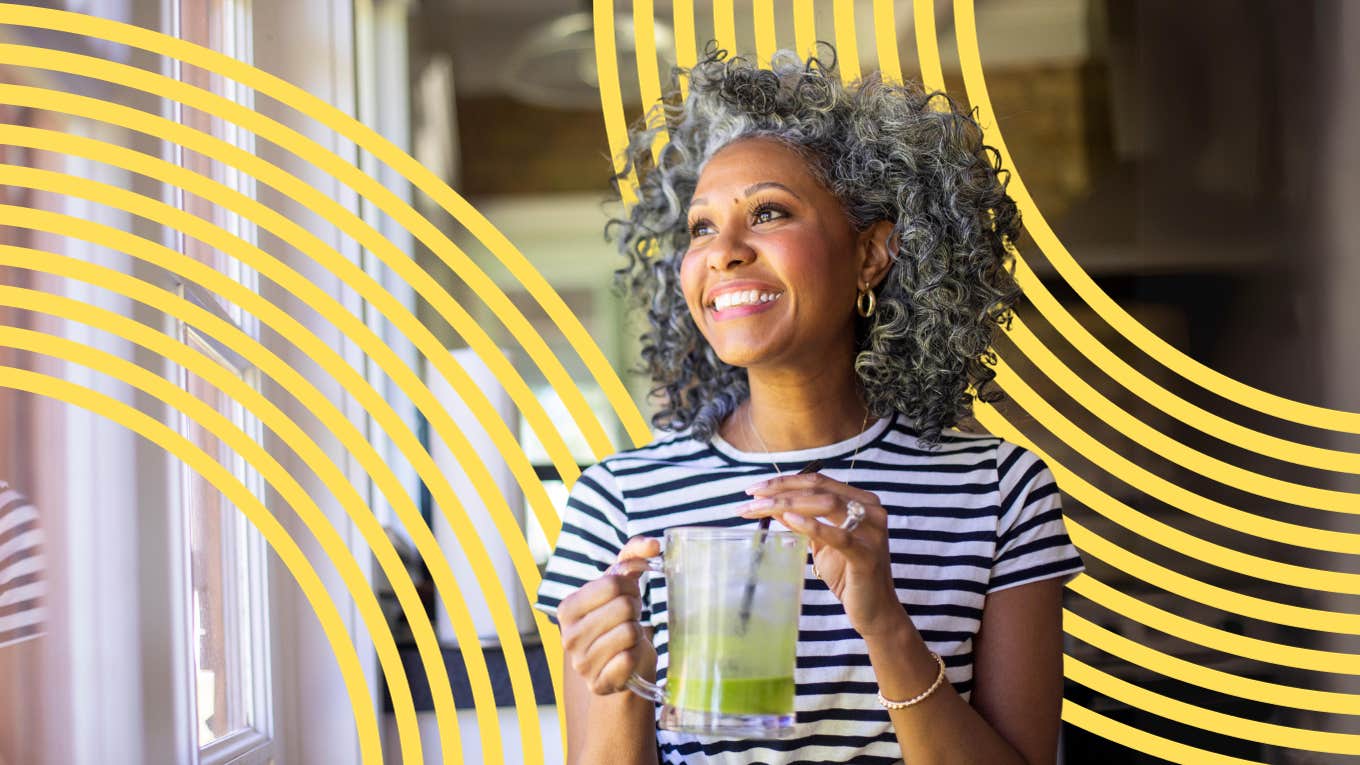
226, 629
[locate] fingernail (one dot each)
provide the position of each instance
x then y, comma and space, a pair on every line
755, 506
755, 487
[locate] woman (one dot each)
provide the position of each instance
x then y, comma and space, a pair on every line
824, 269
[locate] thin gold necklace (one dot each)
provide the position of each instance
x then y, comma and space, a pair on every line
750, 423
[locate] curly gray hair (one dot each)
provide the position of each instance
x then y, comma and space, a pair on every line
887, 155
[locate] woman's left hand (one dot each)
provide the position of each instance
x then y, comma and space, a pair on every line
855, 564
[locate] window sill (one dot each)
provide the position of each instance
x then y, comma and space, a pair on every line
242, 747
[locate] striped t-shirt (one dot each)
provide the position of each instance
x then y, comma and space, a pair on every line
21, 568
974, 516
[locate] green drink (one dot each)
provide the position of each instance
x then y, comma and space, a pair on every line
728, 675
738, 696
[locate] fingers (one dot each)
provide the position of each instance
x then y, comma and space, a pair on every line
622, 645
810, 482
600, 631
597, 638
640, 547
804, 502
593, 595
819, 533
612, 659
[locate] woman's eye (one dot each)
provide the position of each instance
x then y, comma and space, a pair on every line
766, 214
698, 228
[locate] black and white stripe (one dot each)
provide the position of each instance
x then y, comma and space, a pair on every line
21, 568
973, 517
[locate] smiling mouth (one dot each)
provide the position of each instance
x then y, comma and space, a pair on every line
743, 299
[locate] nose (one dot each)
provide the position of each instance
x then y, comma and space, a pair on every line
729, 251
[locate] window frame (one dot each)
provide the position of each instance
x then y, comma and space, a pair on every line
248, 587
249, 625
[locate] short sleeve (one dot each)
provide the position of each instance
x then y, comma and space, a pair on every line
594, 525
1031, 537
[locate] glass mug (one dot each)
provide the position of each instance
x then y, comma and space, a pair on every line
733, 602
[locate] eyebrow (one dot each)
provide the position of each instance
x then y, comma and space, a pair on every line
753, 188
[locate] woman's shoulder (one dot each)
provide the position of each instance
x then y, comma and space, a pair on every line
666, 449
966, 439
967, 449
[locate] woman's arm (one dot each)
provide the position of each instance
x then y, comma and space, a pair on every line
1017, 690
602, 644
617, 728
1018, 650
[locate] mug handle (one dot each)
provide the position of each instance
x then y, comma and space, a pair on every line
637, 683
646, 689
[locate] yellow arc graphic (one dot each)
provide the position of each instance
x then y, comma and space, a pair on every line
276, 421
725, 24
343, 219
1233, 390
1305, 536
368, 140
275, 535
335, 366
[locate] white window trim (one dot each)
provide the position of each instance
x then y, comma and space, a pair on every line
251, 686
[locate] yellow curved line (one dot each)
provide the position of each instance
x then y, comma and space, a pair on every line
1176, 540
804, 27
1156, 441
420, 177
649, 77
1076, 334
686, 56
269, 414
336, 314
1207, 719
1207, 677
1110, 598
351, 670
1142, 741
927, 46
338, 216
1109, 310
766, 43
1202, 592
344, 269
367, 397
1219, 681
241, 445
725, 26
1172, 581
1212, 637
611, 98
1201, 419
885, 39
1168, 492
847, 45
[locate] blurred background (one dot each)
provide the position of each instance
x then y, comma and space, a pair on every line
1196, 159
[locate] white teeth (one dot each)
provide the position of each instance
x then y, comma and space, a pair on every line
745, 297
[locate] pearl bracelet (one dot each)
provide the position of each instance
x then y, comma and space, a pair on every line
887, 704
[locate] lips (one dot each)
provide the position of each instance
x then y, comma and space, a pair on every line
735, 288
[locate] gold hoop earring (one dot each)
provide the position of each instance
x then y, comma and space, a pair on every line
859, 303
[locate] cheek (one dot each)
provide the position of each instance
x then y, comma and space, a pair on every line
809, 267
691, 280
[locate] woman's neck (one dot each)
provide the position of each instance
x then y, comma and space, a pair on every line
781, 417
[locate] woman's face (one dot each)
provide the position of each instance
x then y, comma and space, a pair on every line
771, 272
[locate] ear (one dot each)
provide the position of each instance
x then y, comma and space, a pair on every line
877, 253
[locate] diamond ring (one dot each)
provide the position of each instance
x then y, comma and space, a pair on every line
854, 513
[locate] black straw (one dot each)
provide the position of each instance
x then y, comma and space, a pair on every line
749, 595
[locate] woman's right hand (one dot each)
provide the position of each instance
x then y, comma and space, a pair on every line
603, 641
